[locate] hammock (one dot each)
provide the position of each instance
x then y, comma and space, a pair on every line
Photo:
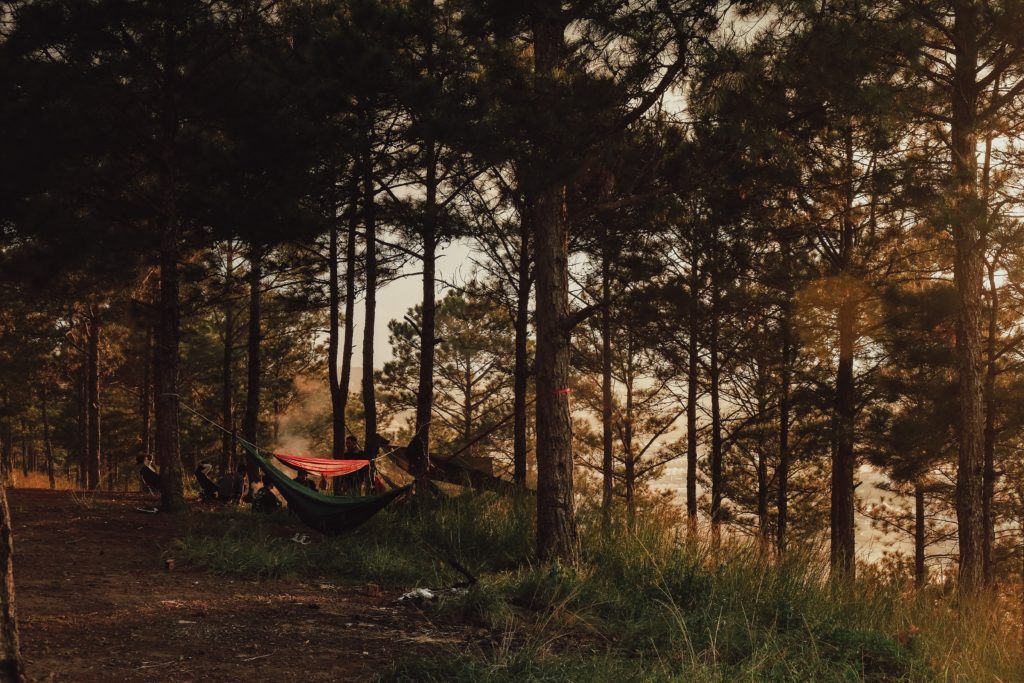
322, 466
327, 514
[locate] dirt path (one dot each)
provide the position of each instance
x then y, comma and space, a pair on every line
96, 604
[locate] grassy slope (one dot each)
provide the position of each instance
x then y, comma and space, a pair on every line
643, 606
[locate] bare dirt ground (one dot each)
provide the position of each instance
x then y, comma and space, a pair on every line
96, 603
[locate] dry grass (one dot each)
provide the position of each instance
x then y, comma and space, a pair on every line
39, 480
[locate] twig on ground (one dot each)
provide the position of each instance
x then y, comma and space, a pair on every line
151, 666
249, 659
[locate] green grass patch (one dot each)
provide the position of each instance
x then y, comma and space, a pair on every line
644, 604
408, 544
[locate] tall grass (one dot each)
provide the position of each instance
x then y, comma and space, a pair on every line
644, 604
414, 543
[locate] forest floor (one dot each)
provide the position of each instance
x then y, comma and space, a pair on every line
96, 602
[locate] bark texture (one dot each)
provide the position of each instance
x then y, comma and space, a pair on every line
968, 273
557, 536
11, 664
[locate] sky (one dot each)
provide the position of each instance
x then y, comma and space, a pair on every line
397, 297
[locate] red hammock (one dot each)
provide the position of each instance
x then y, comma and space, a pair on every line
323, 466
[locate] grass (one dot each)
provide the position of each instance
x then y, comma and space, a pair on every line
400, 546
644, 605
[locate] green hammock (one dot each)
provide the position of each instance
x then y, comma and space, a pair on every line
326, 514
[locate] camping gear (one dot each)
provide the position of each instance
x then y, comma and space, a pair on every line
326, 514
323, 466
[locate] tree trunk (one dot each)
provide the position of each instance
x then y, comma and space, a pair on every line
607, 462
370, 300
339, 402
168, 340
24, 448
146, 397
425, 390
94, 453
762, 457
83, 421
627, 439
714, 377
968, 273
251, 419
692, 389
333, 339
782, 507
467, 409
47, 444
557, 537
842, 547
920, 575
11, 664
989, 482
556, 519
520, 373
429, 236
227, 365
7, 454
992, 372
842, 509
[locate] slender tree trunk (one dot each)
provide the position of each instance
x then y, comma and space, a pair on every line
692, 390
227, 365
989, 482
520, 373
340, 405
168, 338
762, 457
168, 456
7, 454
714, 377
425, 390
968, 273
11, 664
842, 508
370, 302
333, 344
992, 372
429, 235
94, 454
842, 548
47, 444
251, 419
629, 471
920, 574
782, 475
24, 448
467, 408
83, 422
145, 395
607, 462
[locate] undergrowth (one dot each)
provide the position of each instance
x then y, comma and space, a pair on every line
643, 605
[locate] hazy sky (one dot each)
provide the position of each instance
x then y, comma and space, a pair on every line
397, 297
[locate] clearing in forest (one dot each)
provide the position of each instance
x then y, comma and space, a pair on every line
97, 603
